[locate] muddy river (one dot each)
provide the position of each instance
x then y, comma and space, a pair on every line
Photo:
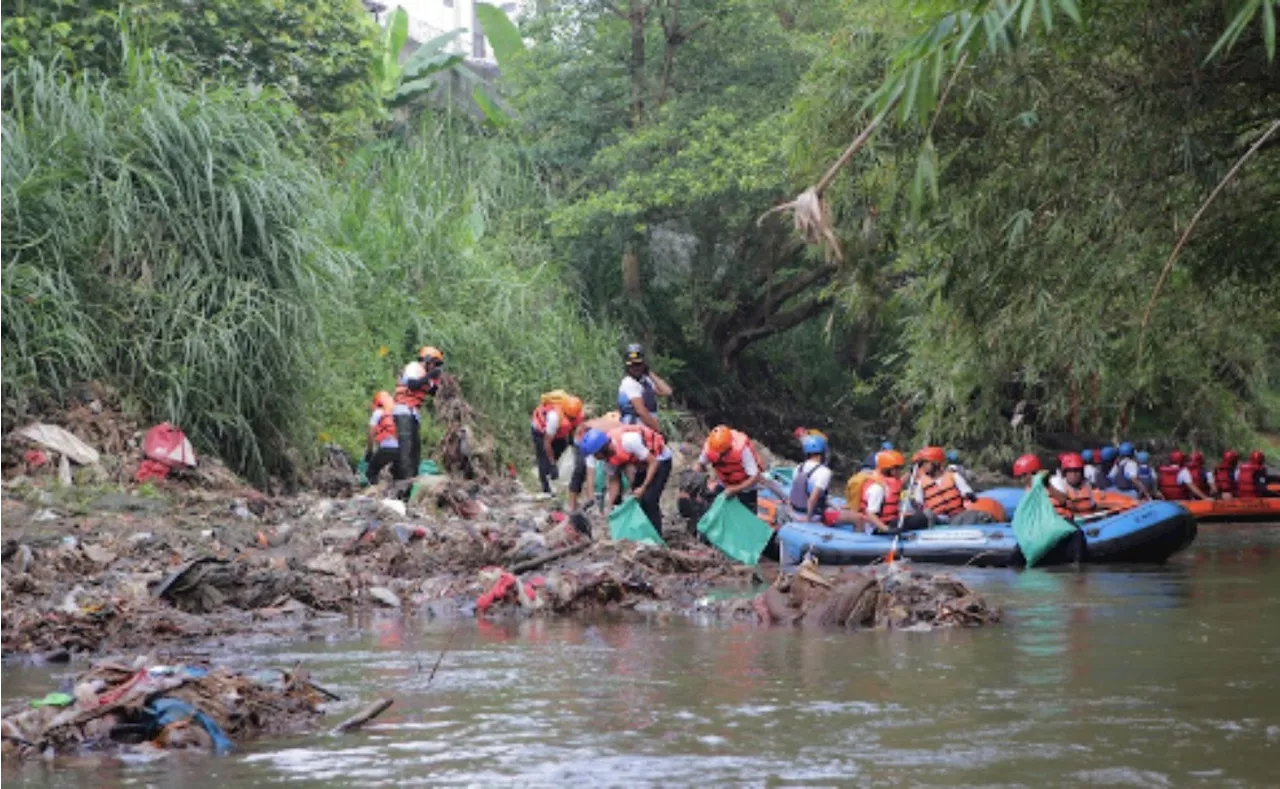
1107, 677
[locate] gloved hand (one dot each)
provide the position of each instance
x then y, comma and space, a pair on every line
554, 473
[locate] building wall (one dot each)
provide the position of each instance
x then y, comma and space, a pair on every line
430, 18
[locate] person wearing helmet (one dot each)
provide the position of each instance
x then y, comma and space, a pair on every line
1145, 481
1251, 476
640, 452
382, 447
733, 457
801, 432
552, 424
1192, 479
1224, 475
584, 466
812, 480
1091, 471
1124, 473
954, 465
1025, 469
937, 492
1106, 458
1072, 495
639, 390
418, 379
1167, 477
882, 494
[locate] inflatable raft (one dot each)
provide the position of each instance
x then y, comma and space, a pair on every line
1234, 509
1148, 534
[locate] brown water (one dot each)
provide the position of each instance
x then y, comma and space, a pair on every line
1109, 677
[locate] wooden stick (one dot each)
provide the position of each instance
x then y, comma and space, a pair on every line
538, 561
363, 716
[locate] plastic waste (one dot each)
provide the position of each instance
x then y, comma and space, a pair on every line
167, 711
1036, 525
628, 522
54, 700
732, 528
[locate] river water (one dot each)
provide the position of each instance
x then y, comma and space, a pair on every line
1160, 676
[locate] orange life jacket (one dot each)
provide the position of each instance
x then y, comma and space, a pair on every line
728, 465
1080, 501
566, 426
385, 428
941, 496
653, 441
892, 497
410, 397
1224, 479
1247, 486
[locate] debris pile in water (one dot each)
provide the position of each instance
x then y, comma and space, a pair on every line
114, 707
887, 597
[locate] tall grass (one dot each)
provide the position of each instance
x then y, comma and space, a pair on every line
159, 239
447, 227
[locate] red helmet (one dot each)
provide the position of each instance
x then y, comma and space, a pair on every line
1071, 462
1231, 457
1196, 459
1257, 458
1027, 464
1177, 458
930, 455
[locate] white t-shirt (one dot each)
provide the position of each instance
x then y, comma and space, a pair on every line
630, 388
1059, 483
819, 475
633, 443
874, 494
553, 422
1092, 474
1185, 478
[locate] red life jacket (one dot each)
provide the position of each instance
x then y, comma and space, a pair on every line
385, 428
1168, 481
539, 422
1247, 486
728, 465
892, 497
1080, 501
1224, 480
653, 441
941, 496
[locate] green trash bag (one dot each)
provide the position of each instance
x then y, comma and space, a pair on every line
602, 478
628, 522
1036, 525
362, 472
427, 468
732, 528
783, 475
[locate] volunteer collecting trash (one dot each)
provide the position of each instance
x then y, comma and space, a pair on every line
736, 463
584, 466
419, 379
641, 451
639, 390
555, 419
382, 446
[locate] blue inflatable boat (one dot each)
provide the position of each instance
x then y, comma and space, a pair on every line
1147, 534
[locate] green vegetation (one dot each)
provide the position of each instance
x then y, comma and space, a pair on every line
231, 230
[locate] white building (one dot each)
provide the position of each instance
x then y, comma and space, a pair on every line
431, 18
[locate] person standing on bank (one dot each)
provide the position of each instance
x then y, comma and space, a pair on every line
639, 391
419, 379
552, 425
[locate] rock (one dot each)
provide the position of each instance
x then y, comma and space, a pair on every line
329, 564
393, 506
22, 558
383, 595
141, 538
45, 515
340, 535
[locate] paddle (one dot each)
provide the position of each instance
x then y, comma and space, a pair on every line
902, 510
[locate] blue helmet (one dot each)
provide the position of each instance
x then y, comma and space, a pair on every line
592, 441
1108, 454
1087, 454
1126, 450
886, 446
953, 456
814, 444
869, 462
1144, 457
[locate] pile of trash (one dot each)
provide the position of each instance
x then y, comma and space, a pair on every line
114, 707
892, 596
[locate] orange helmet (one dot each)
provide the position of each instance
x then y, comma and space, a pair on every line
384, 401
572, 407
1071, 461
431, 353
889, 458
1027, 464
930, 455
720, 440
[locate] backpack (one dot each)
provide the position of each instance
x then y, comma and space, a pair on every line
556, 397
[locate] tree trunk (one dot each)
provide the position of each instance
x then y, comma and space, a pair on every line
638, 14
631, 273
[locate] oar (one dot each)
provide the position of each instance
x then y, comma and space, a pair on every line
902, 510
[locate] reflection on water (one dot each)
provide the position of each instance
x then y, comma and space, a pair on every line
1134, 677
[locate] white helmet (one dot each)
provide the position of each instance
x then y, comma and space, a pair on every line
414, 370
